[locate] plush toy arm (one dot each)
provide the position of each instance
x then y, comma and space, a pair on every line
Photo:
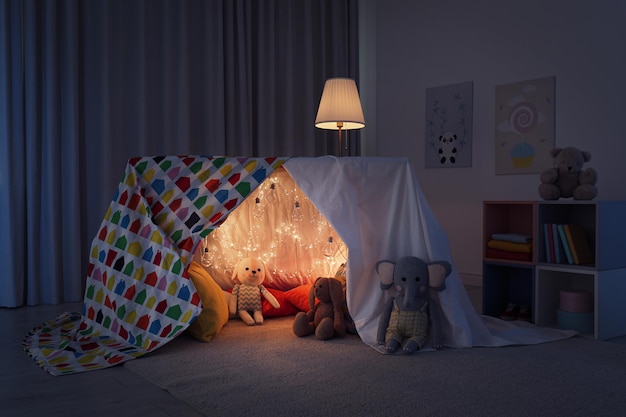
232, 302
338, 298
549, 176
311, 313
311, 300
339, 321
383, 322
588, 176
269, 297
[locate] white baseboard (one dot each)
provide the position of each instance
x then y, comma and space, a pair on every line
471, 279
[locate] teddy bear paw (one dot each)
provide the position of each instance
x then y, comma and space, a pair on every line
585, 192
549, 192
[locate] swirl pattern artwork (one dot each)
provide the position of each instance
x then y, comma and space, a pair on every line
524, 126
523, 117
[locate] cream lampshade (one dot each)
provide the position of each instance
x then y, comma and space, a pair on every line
340, 107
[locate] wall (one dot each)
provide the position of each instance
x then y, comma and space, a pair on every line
422, 44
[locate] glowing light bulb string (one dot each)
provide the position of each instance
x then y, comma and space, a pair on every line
270, 231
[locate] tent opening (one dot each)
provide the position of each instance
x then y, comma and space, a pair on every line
279, 225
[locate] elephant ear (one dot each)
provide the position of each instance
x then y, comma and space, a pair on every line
437, 273
384, 269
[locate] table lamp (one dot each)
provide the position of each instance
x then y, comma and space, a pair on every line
340, 107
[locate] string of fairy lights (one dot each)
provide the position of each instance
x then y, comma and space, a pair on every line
279, 225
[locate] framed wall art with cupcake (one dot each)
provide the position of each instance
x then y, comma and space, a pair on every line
524, 126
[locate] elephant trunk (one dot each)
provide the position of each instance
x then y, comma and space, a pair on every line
410, 295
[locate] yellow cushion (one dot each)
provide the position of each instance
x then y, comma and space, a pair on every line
214, 313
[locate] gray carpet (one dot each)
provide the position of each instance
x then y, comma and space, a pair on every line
268, 371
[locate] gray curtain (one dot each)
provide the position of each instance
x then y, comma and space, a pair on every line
85, 85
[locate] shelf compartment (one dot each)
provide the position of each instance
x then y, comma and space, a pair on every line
607, 288
581, 213
550, 283
509, 217
603, 222
504, 283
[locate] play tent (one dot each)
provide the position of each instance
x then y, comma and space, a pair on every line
139, 296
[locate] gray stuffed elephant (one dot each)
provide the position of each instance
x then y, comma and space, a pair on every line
407, 318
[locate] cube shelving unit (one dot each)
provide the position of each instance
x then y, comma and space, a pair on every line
537, 282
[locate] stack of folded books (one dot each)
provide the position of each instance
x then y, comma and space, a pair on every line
510, 246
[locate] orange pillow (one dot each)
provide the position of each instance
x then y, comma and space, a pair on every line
299, 296
214, 313
285, 309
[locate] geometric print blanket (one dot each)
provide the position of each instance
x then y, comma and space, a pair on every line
138, 295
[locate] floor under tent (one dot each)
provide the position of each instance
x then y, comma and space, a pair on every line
168, 210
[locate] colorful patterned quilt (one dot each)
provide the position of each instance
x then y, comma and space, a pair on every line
138, 296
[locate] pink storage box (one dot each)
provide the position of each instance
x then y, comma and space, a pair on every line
573, 301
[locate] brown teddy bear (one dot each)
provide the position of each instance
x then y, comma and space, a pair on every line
567, 178
325, 317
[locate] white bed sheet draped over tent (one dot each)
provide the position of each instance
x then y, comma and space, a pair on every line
380, 212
